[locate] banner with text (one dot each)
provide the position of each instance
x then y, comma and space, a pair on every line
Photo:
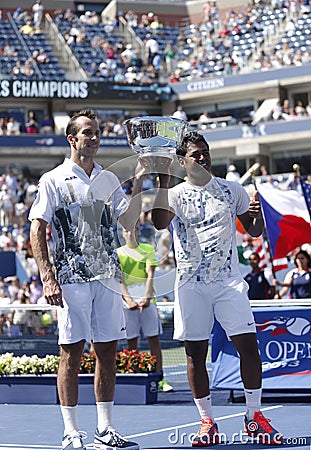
284, 339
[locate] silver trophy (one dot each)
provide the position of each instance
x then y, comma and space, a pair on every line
155, 135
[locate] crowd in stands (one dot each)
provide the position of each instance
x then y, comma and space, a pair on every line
219, 45
223, 43
111, 125
23, 320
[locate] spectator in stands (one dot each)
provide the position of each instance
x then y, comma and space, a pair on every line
89, 18
81, 38
13, 127
35, 323
20, 240
2, 319
151, 48
13, 286
170, 57
293, 183
297, 282
111, 57
47, 125
180, 113
299, 109
138, 263
10, 329
118, 128
260, 281
37, 9
14, 231
208, 275
127, 55
277, 111
17, 13
9, 50
27, 29
92, 70
6, 242
2, 126
155, 24
68, 39
26, 289
40, 56
31, 123
136, 60
131, 18
27, 69
35, 288
22, 317
5, 299
298, 58
144, 22
6, 206
16, 70
204, 119
30, 260
232, 173
74, 32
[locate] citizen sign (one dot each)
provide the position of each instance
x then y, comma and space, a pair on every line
43, 89
204, 85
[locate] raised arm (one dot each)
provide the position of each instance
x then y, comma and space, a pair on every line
162, 213
131, 216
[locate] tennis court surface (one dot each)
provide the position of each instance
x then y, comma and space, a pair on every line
169, 424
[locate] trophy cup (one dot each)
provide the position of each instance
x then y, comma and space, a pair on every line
155, 135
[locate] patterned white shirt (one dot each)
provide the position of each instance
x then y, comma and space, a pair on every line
204, 230
80, 210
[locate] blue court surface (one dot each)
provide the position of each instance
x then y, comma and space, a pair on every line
169, 424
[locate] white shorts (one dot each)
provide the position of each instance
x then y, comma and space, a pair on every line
197, 303
92, 312
147, 321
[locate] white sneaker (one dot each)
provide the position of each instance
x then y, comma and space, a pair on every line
111, 440
73, 440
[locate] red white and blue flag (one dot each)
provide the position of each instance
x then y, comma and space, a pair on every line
306, 190
265, 261
287, 219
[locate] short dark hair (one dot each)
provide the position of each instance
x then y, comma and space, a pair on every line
256, 256
191, 137
72, 124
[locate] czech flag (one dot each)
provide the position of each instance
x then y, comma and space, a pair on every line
287, 219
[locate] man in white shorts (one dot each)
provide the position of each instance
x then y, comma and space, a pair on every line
80, 201
202, 212
138, 264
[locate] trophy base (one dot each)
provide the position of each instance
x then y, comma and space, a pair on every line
155, 154
163, 152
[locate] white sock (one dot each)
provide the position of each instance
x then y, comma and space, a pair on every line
204, 406
69, 414
104, 415
253, 401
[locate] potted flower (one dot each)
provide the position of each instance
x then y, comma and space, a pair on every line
136, 383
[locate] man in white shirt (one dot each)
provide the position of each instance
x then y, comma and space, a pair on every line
80, 201
202, 213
